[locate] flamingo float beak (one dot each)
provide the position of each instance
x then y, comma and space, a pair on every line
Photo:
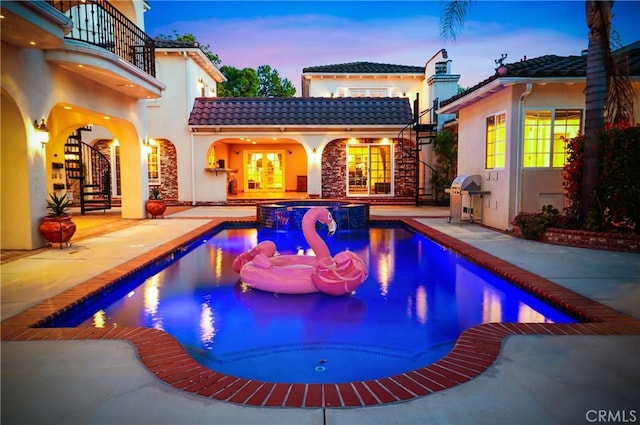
332, 227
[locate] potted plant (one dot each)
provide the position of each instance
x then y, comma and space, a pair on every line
58, 227
155, 205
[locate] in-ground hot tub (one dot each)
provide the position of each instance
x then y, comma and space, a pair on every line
287, 215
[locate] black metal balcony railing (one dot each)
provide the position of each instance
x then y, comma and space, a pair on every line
99, 23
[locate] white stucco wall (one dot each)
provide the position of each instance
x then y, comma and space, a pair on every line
398, 85
535, 187
66, 101
543, 186
439, 86
471, 156
169, 115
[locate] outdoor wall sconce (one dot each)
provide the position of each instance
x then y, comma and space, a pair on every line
200, 82
148, 144
42, 132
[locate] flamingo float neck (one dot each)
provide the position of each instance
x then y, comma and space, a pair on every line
311, 235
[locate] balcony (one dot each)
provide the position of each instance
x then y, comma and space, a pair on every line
99, 23
89, 37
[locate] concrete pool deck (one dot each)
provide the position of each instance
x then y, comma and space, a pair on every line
536, 379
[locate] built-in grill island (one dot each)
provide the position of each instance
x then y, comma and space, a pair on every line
466, 199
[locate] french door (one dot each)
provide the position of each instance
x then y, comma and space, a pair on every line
369, 168
264, 171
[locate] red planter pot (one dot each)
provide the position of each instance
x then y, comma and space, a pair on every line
58, 229
156, 207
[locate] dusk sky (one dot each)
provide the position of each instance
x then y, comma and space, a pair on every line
292, 35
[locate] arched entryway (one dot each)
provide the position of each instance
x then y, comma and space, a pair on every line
162, 170
261, 168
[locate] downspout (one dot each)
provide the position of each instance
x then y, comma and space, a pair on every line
187, 88
193, 159
193, 171
519, 145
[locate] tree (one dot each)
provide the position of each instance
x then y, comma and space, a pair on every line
190, 38
271, 85
246, 82
240, 82
445, 148
608, 94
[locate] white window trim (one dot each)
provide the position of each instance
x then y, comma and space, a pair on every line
370, 192
484, 129
157, 181
553, 110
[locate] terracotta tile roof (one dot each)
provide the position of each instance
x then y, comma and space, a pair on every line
552, 66
364, 68
310, 111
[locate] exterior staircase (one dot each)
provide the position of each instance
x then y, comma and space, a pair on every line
410, 165
88, 173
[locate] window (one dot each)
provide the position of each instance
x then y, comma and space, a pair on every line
369, 167
546, 134
116, 186
153, 161
496, 136
566, 126
264, 171
362, 92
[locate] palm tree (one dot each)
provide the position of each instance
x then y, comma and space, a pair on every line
608, 91
598, 15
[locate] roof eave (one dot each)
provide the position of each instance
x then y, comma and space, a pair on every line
281, 128
499, 84
362, 74
199, 57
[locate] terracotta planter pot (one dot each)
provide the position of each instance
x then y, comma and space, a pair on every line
58, 229
156, 207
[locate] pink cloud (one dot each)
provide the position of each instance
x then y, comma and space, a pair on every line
291, 43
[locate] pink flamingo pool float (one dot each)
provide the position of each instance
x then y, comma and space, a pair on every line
261, 268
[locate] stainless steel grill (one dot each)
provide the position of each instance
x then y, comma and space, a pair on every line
462, 192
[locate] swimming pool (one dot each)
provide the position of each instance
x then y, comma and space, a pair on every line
417, 300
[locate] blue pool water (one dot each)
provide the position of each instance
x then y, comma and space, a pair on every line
417, 300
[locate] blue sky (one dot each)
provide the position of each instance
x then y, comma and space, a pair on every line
291, 35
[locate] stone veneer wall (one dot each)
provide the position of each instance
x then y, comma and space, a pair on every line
598, 240
404, 180
168, 166
168, 170
334, 173
334, 170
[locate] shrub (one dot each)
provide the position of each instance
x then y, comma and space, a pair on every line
618, 188
533, 225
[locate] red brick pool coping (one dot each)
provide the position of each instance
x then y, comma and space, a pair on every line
475, 350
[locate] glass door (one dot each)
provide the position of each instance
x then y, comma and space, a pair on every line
369, 169
358, 167
264, 171
380, 169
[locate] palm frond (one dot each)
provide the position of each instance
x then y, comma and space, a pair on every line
452, 18
620, 92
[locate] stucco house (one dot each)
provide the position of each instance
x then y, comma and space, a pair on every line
346, 144
95, 108
343, 138
512, 129
63, 72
